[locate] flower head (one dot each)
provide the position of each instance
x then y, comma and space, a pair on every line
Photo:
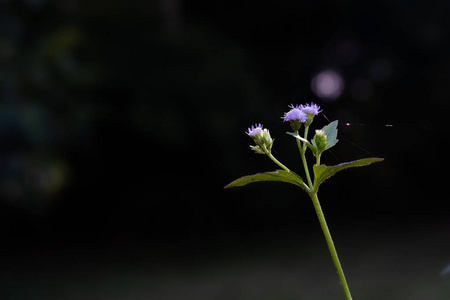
296, 117
311, 109
295, 114
261, 137
253, 130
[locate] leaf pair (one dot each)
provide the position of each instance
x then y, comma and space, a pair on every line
321, 173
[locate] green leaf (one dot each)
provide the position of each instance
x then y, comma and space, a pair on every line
331, 133
323, 172
278, 175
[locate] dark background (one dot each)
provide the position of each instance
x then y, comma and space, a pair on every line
122, 121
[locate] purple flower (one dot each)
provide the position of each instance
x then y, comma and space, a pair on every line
252, 131
295, 114
311, 109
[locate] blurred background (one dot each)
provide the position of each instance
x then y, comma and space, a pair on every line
122, 121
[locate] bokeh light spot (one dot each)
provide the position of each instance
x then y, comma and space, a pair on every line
327, 85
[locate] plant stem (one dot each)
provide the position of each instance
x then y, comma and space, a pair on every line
333, 252
302, 154
277, 162
305, 136
305, 165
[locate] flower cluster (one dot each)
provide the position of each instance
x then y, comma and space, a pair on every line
301, 114
262, 139
298, 115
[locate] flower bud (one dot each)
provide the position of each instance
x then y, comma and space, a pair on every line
267, 139
262, 139
320, 141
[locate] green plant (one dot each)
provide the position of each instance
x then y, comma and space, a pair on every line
324, 139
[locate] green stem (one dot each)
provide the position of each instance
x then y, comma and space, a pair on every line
333, 252
302, 154
305, 166
305, 136
277, 162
